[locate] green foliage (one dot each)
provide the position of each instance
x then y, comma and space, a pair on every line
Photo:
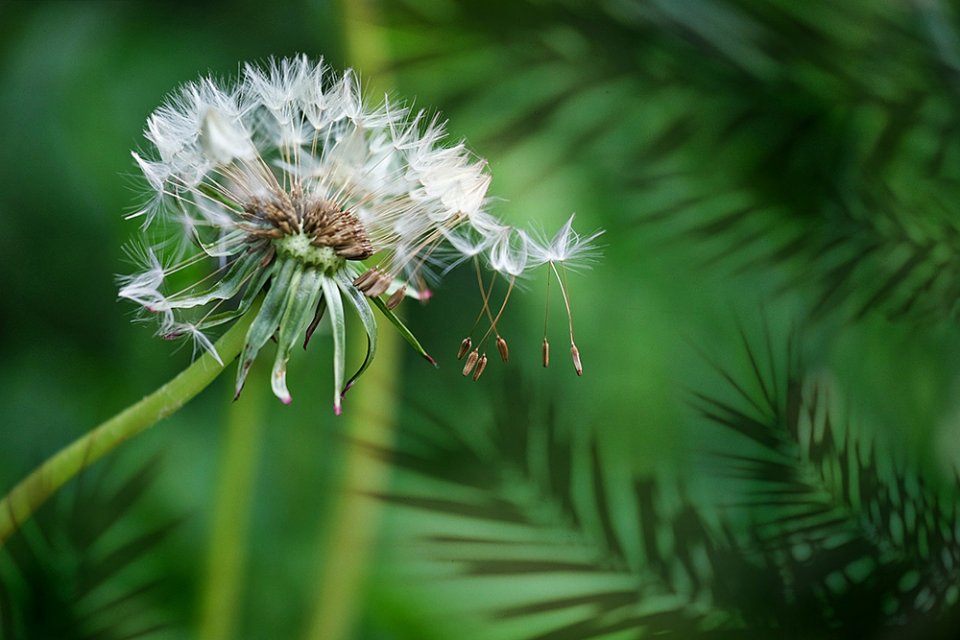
76, 571
780, 162
799, 158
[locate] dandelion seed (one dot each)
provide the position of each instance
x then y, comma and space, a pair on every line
567, 250
481, 365
471, 362
396, 297
503, 349
485, 292
464, 348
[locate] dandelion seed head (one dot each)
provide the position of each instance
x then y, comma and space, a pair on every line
286, 185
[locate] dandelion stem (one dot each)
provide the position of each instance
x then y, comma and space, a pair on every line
546, 311
26, 497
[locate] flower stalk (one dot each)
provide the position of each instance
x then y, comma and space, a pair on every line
26, 497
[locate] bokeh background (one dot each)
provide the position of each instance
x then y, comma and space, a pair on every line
766, 436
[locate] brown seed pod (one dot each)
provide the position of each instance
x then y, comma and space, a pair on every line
397, 297
379, 286
471, 362
503, 349
361, 281
464, 347
481, 365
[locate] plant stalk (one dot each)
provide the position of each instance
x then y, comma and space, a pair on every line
346, 549
230, 528
349, 544
27, 496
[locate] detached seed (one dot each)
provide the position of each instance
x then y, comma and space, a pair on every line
471, 362
397, 297
503, 349
464, 347
481, 365
363, 278
379, 286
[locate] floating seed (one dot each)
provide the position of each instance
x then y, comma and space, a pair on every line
503, 349
471, 362
481, 365
397, 297
464, 347
576, 359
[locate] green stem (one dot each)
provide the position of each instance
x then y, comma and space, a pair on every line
230, 526
25, 498
348, 546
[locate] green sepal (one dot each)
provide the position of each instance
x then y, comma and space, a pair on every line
268, 319
239, 272
254, 287
331, 293
404, 331
298, 311
362, 306
317, 317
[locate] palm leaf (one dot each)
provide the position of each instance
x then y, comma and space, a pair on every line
70, 573
596, 555
770, 138
859, 536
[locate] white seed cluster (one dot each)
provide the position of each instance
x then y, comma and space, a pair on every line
290, 163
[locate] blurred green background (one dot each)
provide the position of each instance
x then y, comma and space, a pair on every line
766, 436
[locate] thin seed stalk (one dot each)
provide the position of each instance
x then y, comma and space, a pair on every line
27, 496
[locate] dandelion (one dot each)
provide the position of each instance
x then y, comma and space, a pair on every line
302, 196
299, 192
278, 200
